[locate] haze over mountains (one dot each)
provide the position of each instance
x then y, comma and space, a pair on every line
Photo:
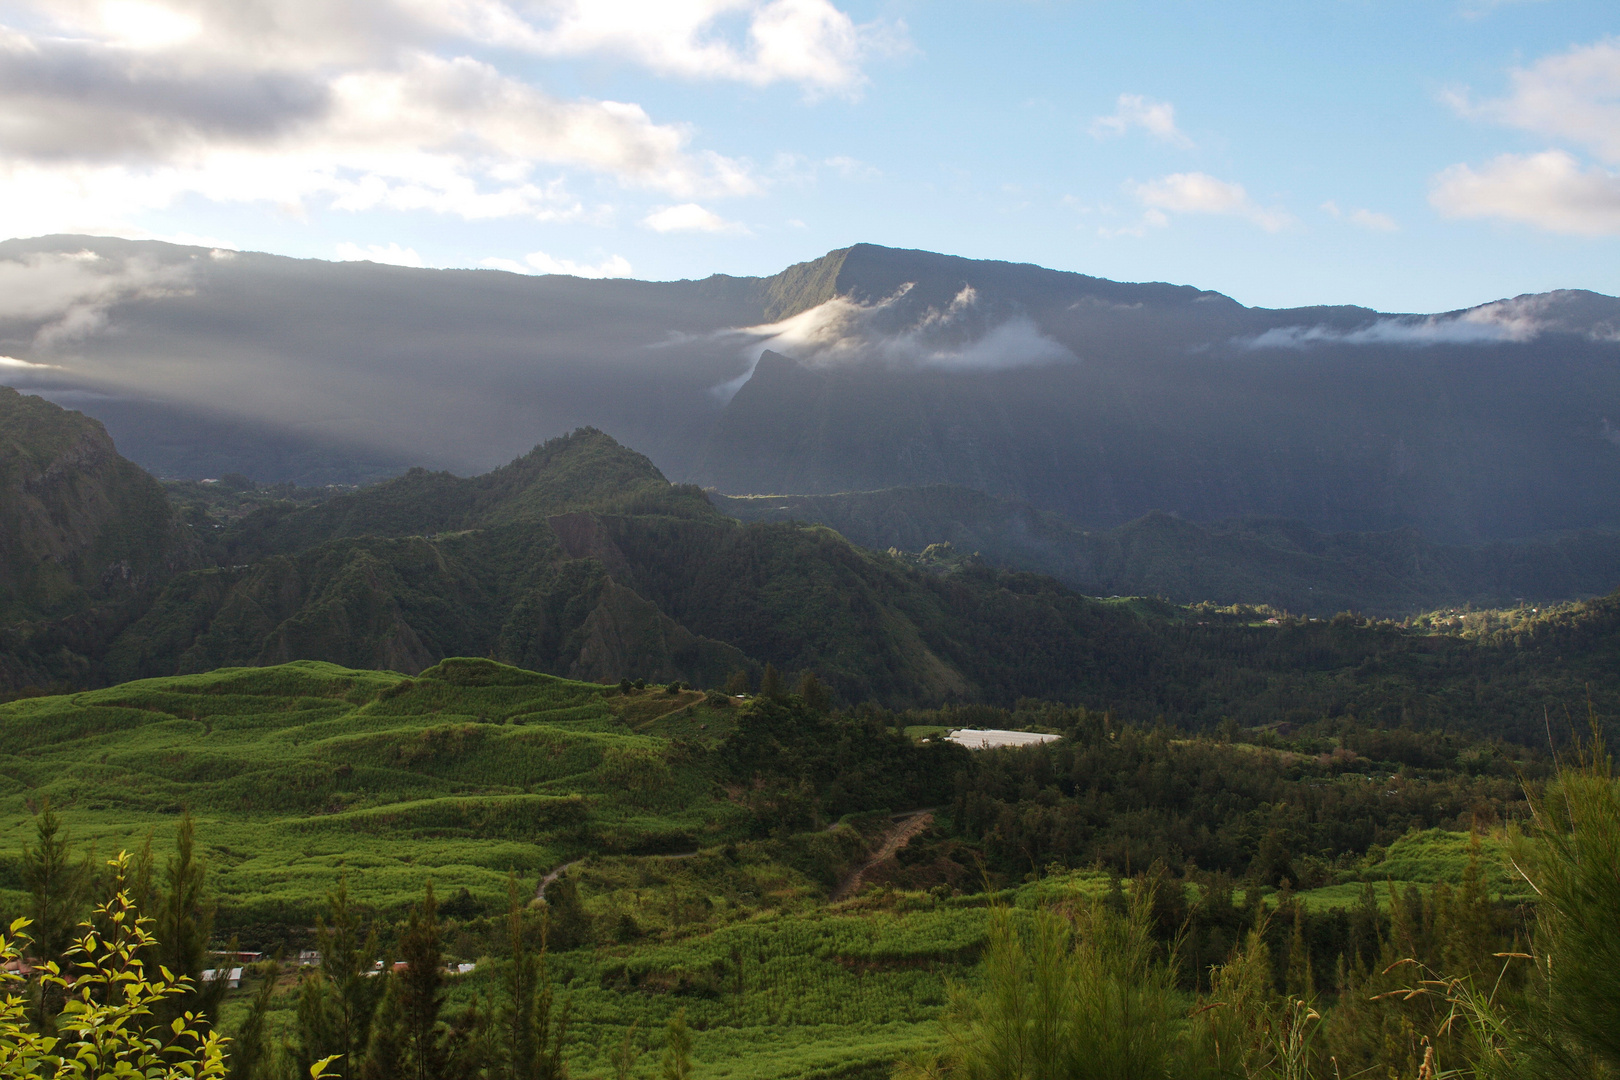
1089, 399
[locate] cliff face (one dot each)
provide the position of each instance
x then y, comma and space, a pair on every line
79, 524
84, 536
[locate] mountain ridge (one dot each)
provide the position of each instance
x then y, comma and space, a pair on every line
1098, 401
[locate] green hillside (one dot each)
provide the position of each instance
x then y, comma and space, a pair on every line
301, 773
705, 845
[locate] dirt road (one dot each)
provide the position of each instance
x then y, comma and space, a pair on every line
901, 833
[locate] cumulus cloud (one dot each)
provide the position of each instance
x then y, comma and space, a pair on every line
689, 217
1157, 118
1550, 190
1572, 96
109, 109
809, 42
1200, 193
538, 262
63, 298
391, 254
841, 332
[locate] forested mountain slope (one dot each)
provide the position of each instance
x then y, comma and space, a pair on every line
1095, 400
581, 560
1257, 561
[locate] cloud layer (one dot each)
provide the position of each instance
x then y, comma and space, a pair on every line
538, 262
1520, 319
109, 109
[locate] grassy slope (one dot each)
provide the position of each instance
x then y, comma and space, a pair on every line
304, 772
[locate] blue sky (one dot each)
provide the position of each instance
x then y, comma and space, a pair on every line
1406, 156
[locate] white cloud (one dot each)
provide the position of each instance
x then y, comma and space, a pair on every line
809, 42
65, 297
1522, 318
1432, 330
689, 217
1573, 96
113, 109
1200, 193
391, 254
1550, 190
844, 331
1157, 118
538, 262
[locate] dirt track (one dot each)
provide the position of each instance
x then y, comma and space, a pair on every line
903, 831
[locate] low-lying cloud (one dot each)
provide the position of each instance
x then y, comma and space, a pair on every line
1520, 319
844, 332
66, 297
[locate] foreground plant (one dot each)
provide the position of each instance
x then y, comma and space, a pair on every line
108, 1024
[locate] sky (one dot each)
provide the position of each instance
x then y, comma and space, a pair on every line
1408, 156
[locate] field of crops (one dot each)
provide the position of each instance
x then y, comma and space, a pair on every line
306, 772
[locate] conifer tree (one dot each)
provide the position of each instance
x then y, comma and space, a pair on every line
250, 1055
388, 1049
814, 692
677, 1063
320, 1020
184, 927
421, 991
623, 1057
347, 954
58, 891
531, 1037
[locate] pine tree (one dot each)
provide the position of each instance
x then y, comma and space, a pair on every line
421, 991
320, 1020
250, 1054
58, 891
388, 1049
814, 692
677, 1063
347, 955
623, 1057
184, 927
531, 1037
